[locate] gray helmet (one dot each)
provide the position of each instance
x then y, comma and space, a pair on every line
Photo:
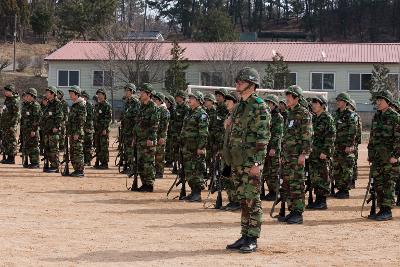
294, 90
353, 104
249, 75
198, 96
273, 99
147, 87
320, 99
344, 97
76, 89
10, 87
52, 89
232, 96
385, 94
32, 92
221, 91
210, 97
131, 87
182, 94
160, 96
101, 91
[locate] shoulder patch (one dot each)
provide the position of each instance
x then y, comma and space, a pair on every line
203, 116
259, 100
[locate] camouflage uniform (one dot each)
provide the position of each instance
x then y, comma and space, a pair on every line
75, 127
343, 162
52, 117
216, 129
101, 121
164, 117
358, 142
212, 126
169, 158
64, 104
88, 131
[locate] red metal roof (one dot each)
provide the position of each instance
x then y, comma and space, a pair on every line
300, 52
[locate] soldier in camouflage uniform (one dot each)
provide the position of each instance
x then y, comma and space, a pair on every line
384, 153
216, 130
88, 130
145, 133
211, 110
272, 160
101, 121
345, 143
64, 104
75, 131
22, 148
283, 110
353, 107
296, 146
9, 122
169, 158
250, 125
322, 152
159, 99
194, 141
51, 121
30, 118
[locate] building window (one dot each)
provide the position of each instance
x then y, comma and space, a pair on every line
281, 82
360, 81
211, 78
68, 78
394, 79
102, 78
322, 81
292, 78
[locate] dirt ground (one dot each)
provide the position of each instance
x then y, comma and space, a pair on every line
50, 220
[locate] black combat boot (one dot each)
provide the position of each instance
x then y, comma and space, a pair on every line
174, 169
77, 174
320, 203
10, 160
285, 218
149, 188
311, 205
196, 196
271, 196
250, 245
159, 175
234, 207
52, 170
3, 160
384, 214
237, 244
296, 218
34, 166
342, 194
103, 166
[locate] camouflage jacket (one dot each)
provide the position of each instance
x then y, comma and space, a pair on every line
129, 117
284, 115
195, 130
359, 129
147, 124
76, 118
64, 105
212, 121
89, 118
52, 116
250, 133
384, 140
324, 135
346, 129
102, 116
176, 124
276, 131
171, 118
30, 116
23, 121
10, 115
222, 113
297, 133
164, 122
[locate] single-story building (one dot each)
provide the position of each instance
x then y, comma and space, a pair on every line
330, 67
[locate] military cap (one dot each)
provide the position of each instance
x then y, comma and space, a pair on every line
101, 91
294, 90
10, 87
320, 99
249, 75
210, 97
85, 94
232, 96
198, 96
147, 87
160, 96
60, 92
182, 94
344, 97
170, 99
76, 89
32, 92
384, 94
272, 98
131, 87
52, 89
221, 91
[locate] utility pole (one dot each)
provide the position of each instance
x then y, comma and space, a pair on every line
15, 41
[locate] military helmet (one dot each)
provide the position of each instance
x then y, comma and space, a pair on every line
76, 89
385, 94
131, 87
210, 97
60, 92
182, 94
396, 104
32, 92
147, 87
344, 97
101, 91
283, 101
160, 96
249, 75
232, 96
303, 102
170, 99
85, 94
322, 100
10, 87
353, 104
273, 99
221, 91
198, 96
295, 90
52, 89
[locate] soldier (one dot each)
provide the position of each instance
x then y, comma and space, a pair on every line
194, 141
169, 158
209, 104
51, 121
353, 107
283, 110
22, 131
272, 160
75, 131
383, 153
88, 130
145, 133
246, 151
296, 146
159, 99
322, 152
9, 122
345, 143
216, 130
64, 104
128, 121
101, 121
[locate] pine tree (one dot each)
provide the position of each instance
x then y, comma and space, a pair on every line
276, 73
41, 20
175, 75
380, 80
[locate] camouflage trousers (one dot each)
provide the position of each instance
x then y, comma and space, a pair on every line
101, 146
87, 147
62, 133
270, 172
229, 185
343, 165
31, 146
194, 166
160, 159
129, 149
76, 153
248, 193
146, 163
51, 149
10, 141
355, 166
169, 149
385, 175
319, 173
293, 184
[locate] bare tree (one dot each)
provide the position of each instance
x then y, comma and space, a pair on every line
4, 63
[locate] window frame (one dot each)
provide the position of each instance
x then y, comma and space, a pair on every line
103, 84
211, 73
69, 85
359, 73
398, 79
322, 82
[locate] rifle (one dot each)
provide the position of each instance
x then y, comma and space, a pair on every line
180, 177
66, 159
135, 171
398, 191
46, 164
309, 183
216, 182
279, 198
121, 156
23, 151
371, 191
